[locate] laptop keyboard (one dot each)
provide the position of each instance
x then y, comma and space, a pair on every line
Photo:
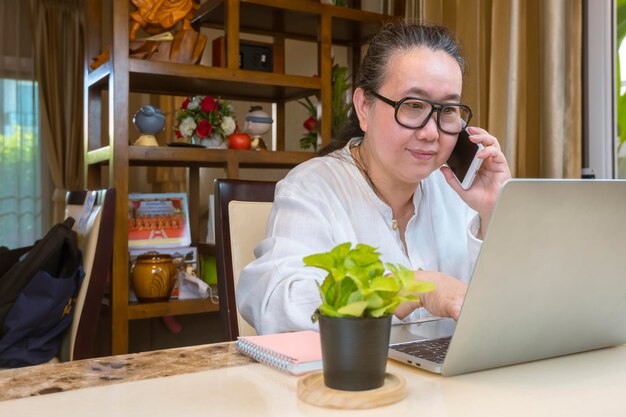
433, 350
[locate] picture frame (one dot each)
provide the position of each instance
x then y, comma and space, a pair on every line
158, 220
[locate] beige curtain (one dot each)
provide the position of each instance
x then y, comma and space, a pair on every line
59, 69
524, 76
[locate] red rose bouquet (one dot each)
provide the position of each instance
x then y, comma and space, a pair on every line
340, 109
309, 140
204, 117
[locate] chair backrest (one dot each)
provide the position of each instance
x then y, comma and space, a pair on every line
241, 211
94, 212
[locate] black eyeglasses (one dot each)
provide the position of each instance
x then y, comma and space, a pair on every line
414, 113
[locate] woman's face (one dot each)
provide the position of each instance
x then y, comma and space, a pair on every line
396, 153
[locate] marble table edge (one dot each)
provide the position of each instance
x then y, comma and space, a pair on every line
66, 376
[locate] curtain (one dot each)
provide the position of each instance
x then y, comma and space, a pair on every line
59, 64
20, 175
523, 79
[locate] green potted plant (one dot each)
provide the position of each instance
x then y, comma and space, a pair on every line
359, 297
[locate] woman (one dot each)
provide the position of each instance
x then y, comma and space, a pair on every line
385, 187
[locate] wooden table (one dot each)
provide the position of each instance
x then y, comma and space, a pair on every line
215, 380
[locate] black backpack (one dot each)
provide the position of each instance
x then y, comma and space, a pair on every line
37, 295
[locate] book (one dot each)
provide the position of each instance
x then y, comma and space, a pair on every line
295, 353
158, 220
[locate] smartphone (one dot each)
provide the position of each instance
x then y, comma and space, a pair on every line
463, 160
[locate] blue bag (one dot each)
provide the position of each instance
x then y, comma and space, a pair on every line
35, 323
34, 327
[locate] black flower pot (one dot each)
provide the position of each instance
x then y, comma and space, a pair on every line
354, 351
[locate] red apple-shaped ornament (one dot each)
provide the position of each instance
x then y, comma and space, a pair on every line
239, 140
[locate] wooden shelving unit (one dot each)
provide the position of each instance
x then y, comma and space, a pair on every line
171, 308
281, 19
229, 159
299, 19
184, 79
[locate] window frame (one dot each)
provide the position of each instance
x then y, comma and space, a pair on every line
599, 101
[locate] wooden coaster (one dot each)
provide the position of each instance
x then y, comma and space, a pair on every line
311, 389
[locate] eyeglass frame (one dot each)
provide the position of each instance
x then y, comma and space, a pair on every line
435, 106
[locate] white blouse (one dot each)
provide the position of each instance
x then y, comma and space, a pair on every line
326, 201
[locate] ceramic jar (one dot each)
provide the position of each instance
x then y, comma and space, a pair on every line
154, 276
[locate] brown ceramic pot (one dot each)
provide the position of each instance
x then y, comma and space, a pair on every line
153, 277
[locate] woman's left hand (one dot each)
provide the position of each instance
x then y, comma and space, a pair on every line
445, 301
493, 173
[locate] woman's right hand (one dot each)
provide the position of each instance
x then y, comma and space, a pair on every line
491, 176
447, 298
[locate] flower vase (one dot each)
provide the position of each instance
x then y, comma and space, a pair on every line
213, 141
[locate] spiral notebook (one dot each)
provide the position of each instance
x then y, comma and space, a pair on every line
296, 352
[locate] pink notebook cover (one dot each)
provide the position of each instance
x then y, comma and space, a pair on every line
302, 346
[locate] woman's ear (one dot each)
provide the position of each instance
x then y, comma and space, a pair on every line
361, 106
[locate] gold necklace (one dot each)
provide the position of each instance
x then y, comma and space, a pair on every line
363, 168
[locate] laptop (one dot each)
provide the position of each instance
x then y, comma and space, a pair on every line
550, 280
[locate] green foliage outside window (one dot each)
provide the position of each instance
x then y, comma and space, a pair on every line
621, 98
20, 188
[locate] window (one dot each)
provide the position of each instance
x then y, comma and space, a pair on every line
20, 168
20, 179
601, 148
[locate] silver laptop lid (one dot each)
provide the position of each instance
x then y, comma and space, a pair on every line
550, 278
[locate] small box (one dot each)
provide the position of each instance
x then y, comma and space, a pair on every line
254, 56
208, 269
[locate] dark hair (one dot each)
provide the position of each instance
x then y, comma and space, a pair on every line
391, 39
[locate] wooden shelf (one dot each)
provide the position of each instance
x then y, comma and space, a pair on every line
296, 19
196, 157
100, 76
168, 78
171, 308
279, 19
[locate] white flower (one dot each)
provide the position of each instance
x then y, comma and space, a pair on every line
187, 126
194, 104
228, 125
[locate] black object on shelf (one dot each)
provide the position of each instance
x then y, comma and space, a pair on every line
185, 145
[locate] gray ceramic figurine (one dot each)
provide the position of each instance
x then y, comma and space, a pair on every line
149, 121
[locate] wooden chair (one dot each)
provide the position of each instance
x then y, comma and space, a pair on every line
96, 245
241, 212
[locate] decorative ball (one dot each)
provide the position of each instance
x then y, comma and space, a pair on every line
149, 120
239, 141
